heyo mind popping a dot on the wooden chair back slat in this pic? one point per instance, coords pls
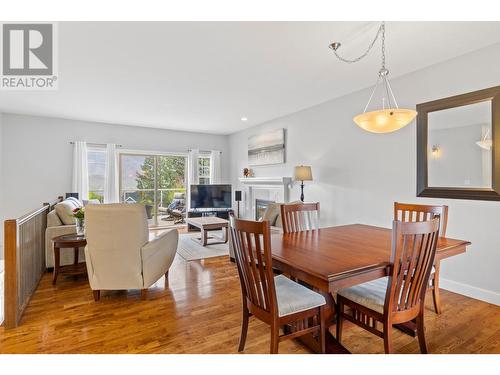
(413, 252)
(299, 217)
(407, 212)
(252, 250)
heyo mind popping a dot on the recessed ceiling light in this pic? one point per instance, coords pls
(244, 119)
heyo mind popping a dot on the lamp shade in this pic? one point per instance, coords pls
(303, 173)
(385, 120)
(485, 144)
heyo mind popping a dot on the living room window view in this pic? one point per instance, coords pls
(284, 187)
(157, 181)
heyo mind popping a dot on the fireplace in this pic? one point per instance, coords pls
(264, 189)
(261, 207)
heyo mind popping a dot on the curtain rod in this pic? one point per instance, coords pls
(204, 151)
(95, 144)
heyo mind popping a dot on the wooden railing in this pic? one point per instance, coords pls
(24, 250)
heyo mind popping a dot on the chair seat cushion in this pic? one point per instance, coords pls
(293, 297)
(370, 294)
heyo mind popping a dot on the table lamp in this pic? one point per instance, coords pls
(303, 173)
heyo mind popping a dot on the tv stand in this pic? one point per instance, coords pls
(222, 213)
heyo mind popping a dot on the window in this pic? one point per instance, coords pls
(96, 158)
(153, 180)
(204, 170)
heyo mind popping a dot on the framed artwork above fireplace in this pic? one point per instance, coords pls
(267, 148)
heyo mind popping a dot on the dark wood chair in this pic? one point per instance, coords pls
(421, 212)
(399, 297)
(299, 217)
(276, 300)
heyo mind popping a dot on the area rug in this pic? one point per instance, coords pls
(192, 250)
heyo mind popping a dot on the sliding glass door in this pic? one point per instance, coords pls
(152, 180)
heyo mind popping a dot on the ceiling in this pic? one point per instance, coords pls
(206, 76)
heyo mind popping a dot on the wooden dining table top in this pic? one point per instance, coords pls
(337, 257)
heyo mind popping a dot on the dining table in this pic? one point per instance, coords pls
(332, 258)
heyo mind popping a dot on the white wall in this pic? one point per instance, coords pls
(38, 155)
(358, 175)
(459, 161)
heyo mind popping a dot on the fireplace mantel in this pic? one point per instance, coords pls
(285, 181)
(276, 189)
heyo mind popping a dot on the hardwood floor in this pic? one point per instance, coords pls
(199, 312)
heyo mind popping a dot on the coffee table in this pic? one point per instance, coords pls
(207, 224)
(68, 241)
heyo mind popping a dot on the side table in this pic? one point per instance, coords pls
(68, 241)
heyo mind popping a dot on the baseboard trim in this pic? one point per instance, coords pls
(470, 291)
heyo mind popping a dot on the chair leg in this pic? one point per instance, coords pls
(275, 332)
(340, 319)
(388, 338)
(421, 333)
(244, 329)
(322, 329)
(144, 293)
(435, 290)
(97, 295)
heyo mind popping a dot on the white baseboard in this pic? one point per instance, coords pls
(470, 291)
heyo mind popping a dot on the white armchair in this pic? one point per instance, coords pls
(118, 253)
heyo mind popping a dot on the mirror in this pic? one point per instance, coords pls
(456, 158)
(455, 146)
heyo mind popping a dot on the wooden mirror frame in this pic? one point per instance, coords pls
(423, 190)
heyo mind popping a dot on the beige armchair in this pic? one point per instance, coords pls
(118, 253)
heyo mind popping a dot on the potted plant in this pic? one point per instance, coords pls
(79, 215)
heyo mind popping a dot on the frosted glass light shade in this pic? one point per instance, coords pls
(385, 120)
(485, 144)
(303, 173)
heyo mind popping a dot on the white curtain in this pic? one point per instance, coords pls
(80, 183)
(192, 172)
(111, 194)
(215, 168)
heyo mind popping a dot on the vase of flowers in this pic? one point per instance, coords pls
(79, 215)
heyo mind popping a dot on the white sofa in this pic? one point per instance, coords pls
(60, 221)
(118, 253)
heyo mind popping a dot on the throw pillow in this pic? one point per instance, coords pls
(271, 213)
(64, 210)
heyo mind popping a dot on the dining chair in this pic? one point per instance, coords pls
(276, 300)
(399, 297)
(299, 217)
(421, 212)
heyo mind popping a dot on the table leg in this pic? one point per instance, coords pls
(410, 328)
(204, 237)
(56, 264)
(75, 259)
(332, 345)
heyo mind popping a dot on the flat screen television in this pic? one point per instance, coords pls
(210, 196)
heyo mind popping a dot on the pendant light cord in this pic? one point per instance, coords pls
(390, 118)
(381, 31)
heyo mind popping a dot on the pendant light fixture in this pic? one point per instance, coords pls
(390, 117)
(485, 143)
